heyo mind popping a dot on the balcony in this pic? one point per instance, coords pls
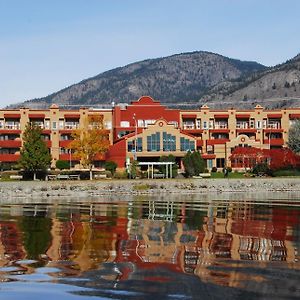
(219, 130)
(217, 141)
(64, 143)
(208, 156)
(10, 144)
(67, 156)
(199, 143)
(246, 130)
(269, 130)
(10, 128)
(9, 157)
(48, 143)
(274, 142)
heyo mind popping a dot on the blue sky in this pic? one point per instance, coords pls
(48, 45)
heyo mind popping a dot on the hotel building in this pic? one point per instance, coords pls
(146, 130)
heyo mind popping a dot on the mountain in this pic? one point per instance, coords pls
(275, 87)
(179, 78)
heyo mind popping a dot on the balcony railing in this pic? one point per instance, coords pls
(274, 126)
(11, 126)
(274, 142)
(220, 126)
(71, 126)
(9, 157)
(242, 125)
(10, 143)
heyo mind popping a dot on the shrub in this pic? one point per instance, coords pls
(214, 169)
(229, 169)
(111, 166)
(121, 174)
(262, 169)
(62, 164)
(5, 175)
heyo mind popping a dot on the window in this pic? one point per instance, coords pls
(108, 125)
(38, 123)
(45, 137)
(139, 145)
(264, 123)
(198, 124)
(65, 137)
(65, 151)
(186, 144)
(210, 149)
(122, 133)
(12, 125)
(188, 125)
(204, 125)
(209, 163)
(220, 162)
(153, 142)
(149, 122)
(169, 142)
(140, 123)
(61, 124)
(125, 124)
(175, 123)
(54, 125)
(47, 124)
(70, 125)
(258, 124)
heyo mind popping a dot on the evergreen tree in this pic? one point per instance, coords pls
(188, 164)
(35, 155)
(193, 164)
(198, 163)
(294, 137)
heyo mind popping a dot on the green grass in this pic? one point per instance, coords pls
(284, 173)
(216, 175)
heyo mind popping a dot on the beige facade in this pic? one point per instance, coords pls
(146, 129)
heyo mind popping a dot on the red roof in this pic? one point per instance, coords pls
(221, 116)
(36, 116)
(12, 116)
(72, 116)
(274, 116)
(294, 116)
(186, 116)
(242, 116)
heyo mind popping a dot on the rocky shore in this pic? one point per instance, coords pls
(84, 189)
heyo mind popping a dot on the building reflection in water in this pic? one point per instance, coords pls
(188, 237)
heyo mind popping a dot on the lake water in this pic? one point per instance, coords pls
(149, 248)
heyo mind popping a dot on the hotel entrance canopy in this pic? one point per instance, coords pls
(150, 166)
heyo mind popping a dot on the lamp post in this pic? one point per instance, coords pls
(135, 140)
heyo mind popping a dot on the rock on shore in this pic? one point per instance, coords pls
(81, 189)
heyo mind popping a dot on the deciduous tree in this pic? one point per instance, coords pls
(294, 137)
(90, 141)
(35, 155)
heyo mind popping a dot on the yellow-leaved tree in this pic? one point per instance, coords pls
(90, 141)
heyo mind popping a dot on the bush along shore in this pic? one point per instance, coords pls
(81, 189)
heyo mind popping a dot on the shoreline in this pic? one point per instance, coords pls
(83, 189)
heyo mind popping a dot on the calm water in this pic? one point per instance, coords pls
(142, 248)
